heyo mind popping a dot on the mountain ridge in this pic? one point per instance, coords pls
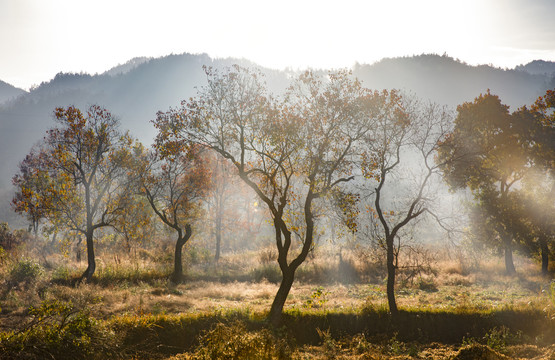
(9, 92)
(449, 81)
(538, 67)
(139, 88)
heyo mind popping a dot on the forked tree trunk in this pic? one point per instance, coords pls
(545, 255)
(288, 270)
(177, 276)
(279, 301)
(287, 277)
(391, 278)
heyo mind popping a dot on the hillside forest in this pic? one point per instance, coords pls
(309, 217)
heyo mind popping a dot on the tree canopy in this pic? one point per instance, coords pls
(497, 154)
(296, 150)
(76, 178)
(174, 187)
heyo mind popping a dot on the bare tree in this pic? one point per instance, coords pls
(174, 187)
(298, 149)
(403, 143)
(81, 172)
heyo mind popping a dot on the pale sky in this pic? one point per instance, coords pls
(39, 38)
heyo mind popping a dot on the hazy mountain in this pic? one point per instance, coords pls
(8, 92)
(538, 67)
(134, 94)
(445, 80)
(136, 90)
(127, 67)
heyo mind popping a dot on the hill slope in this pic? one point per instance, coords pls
(447, 81)
(8, 92)
(538, 67)
(135, 91)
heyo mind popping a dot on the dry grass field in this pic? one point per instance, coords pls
(337, 309)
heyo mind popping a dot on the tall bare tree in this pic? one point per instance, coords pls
(403, 144)
(299, 149)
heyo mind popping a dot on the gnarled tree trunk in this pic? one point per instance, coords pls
(288, 270)
(279, 301)
(177, 275)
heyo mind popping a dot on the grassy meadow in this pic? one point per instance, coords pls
(455, 307)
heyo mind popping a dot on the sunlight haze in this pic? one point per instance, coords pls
(41, 38)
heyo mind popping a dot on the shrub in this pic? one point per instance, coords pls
(395, 346)
(267, 256)
(269, 272)
(25, 271)
(372, 263)
(3, 255)
(236, 342)
(347, 271)
(61, 274)
(8, 240)
(57, 330)
(198, 255)
(360, 344)
(417, 262)
(317, 299)
(499, 338)
(330, 346)
(427, 284)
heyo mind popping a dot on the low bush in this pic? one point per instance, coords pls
(58, 330)
(267, 256)
(110, 275)
(236, 342)
(25, 272)
(8, 239)
(268, 272)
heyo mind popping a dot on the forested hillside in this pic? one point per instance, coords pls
(137, 90)
(8, 92)
(445, 80)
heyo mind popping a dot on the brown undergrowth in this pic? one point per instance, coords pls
(456, 308)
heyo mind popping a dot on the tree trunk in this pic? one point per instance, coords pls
(89, 237)
(177, 276)
(88, 274)
(78, 249)
(36, 227)
(279, 301)
(288, 271)
(545, 255)
(391, 278)
(218, 237)
(509, 264)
